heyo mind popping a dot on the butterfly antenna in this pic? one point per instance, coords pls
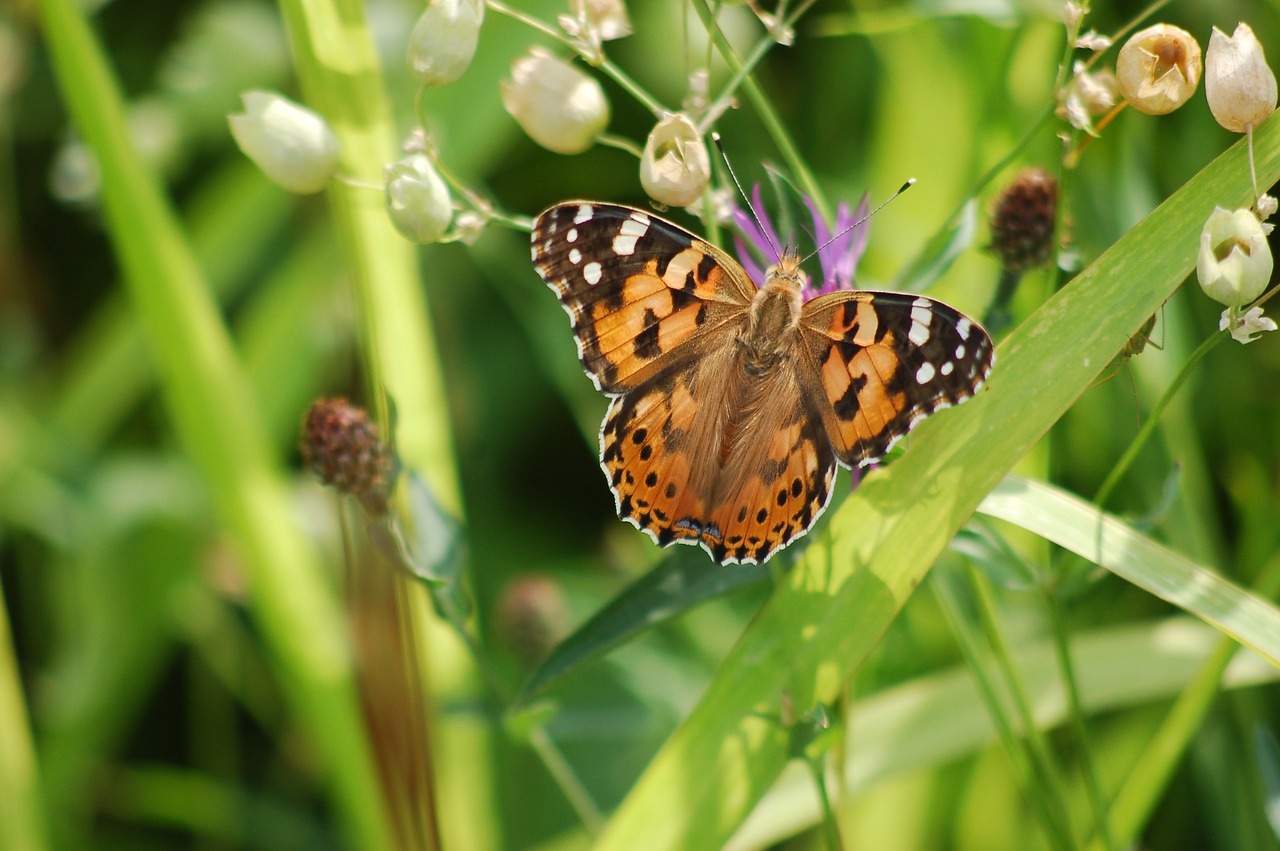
(715, 137)
(903, 188)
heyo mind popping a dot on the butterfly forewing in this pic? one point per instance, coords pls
(884, 361)
(638, 290)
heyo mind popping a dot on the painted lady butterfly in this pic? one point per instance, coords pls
(732, 403)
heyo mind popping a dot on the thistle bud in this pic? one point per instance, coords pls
(443, 41)
(1023, 220)
(1158, 69)
(291, 144)
(560, 107)
(1238, 83)
(674, 168)
(340, 444)
(417, 199)
(1234, 263)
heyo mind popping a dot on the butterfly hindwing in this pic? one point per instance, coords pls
(709, 455)
(639, 290)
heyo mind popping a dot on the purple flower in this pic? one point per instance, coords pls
(759, 243)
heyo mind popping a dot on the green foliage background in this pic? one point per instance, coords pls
(175, 672)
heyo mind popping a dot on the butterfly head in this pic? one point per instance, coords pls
(787, 272)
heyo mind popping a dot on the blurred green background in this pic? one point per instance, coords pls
(157, 716)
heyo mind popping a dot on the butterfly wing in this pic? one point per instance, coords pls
(883, 362)
(639, 290)
(713, 456)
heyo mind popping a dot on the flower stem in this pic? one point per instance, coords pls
(1149, 427)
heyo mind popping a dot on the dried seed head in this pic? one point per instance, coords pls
(560, 107)
(1238, 83)
(1023, 220)
(674, 168)
(1158, 69)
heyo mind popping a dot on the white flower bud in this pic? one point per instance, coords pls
(417, 199)
(291, 144)
(560, 107)
(1234, 263)
(1158, 69)
(674, 168)
(606, 19)
(1238, 84)
(444, 40)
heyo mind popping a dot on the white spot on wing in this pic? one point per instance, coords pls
(572, 235)
(591, 273)
(925, 373)
(623, 244)
(947, 368)
(584, 214)
(963, 326)
(634, 226)
(959, 352)
(921, 316)
(575, 256)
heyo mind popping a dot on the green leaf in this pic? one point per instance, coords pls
(825, 619)
(681, 581)
(1070, 522)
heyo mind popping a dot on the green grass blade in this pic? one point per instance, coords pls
(1074, 524)
(939, 718)
(836, 603)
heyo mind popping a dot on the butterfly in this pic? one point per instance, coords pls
(733, 403)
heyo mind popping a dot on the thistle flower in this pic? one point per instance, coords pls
(1158, 69)
(674, 168)
(560, 107)
(417, 199)
(1238, 83)
(443, 42)
(838, 257)
(290, 143)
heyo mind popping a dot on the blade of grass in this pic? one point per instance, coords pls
(1076, 525)
(830, 612)
(939, 718)
(211, 405)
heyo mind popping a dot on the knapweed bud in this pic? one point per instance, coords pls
(1023, 219)
(417, 199)
(1234, 263)
(675, 168)
(1158, 69)
(532, 616)
(291, 144)
(1238, 83)
(560, 107)
(340, 444)
(444, 40)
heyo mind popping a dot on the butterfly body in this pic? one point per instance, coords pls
(733, 404)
